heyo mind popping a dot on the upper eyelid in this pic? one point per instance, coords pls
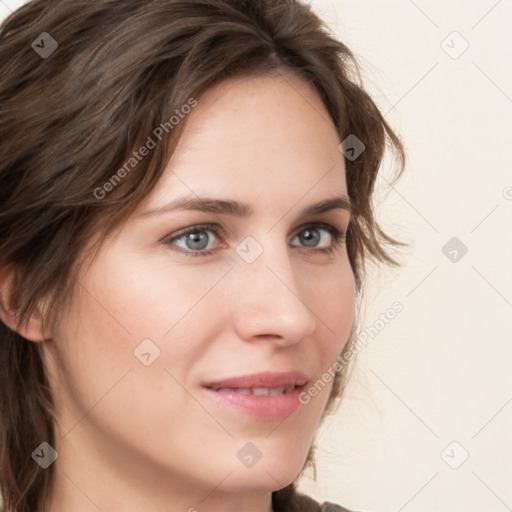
(328, 217)
(218, 227)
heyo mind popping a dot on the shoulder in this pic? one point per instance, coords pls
(332, 507)
(290, 499)
(306, 503)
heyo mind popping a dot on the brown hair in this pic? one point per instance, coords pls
(70, 119)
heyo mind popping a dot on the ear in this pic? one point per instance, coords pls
(33, 329)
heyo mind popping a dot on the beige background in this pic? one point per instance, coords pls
(439, 372)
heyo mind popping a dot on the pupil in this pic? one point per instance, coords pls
(195, 238)
(310, 237)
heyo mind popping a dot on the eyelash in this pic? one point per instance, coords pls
(338, 236)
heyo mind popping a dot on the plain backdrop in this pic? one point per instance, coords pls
(425, 424)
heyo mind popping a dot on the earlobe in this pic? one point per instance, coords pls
(32, 329)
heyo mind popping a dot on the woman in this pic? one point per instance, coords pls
(185, 214)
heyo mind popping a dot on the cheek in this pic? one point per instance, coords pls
(154, 298)
(100, 381)
(121, 304)
(333, 300)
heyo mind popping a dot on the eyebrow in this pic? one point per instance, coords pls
(242, 210)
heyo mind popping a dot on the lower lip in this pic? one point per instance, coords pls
(264, 407)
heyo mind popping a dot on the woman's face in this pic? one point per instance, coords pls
(154, 319)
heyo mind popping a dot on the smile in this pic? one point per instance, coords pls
(269, 404)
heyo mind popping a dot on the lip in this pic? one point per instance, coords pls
(260, 380)
(264, 407)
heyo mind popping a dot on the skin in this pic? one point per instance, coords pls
(134, 437)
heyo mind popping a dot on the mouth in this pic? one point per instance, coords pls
(268, 404)
(275, 382)
(281, 390)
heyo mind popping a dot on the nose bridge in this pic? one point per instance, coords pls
(269, 300)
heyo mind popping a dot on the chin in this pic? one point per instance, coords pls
(270, 473)
(261, 481)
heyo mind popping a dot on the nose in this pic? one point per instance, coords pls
(269, 303)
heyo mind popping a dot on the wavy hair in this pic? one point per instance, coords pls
(69, 120)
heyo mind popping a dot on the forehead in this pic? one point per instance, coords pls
(253, 136)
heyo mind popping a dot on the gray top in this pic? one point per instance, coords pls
(332, 507)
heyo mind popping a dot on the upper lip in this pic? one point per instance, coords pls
(260, 380)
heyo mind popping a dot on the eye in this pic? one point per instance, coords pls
(313, 239)
(194, 240)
